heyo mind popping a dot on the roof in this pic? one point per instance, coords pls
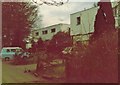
(12, 48)
(113, 5)
(50, 26)
(55, 25)
(84, 10)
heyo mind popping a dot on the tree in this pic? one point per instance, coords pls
(59, 41)
(17, 19)
(50, 2)
(99, 61)
(37, 46)
(104, 21)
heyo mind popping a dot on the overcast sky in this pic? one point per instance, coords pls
(53, 15)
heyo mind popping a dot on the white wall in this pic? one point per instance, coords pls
(49, 35)
(87, 21)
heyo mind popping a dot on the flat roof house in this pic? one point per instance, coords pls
(82, 22)
(116, 11)
(48, 32)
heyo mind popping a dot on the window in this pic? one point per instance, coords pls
(8, 50)
(78, 20)
(52, 30)
(44, 32)
(37, 33)
(13, 50)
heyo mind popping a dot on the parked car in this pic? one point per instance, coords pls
(8, 53)
(25, 55)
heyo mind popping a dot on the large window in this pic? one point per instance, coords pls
(53, 30)
(44, 32)
(78, 20)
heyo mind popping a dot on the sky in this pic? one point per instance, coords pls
(61, 14)
(53, 15)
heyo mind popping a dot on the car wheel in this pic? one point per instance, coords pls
(7, 58)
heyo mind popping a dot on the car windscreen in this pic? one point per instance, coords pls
(13, 50)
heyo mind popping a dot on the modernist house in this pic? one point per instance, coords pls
(48, 32)
(116, 11)
(82, 22)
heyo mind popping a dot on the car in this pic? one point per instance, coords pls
(8, 53)
(25, 55)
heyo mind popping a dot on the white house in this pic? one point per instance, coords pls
(48, 32)
(82, 22)
(116, 11)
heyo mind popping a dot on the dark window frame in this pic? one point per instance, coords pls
(37, 33)
(53, 30)
(45, 32)
(78, 20)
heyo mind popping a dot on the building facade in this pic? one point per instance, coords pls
(82, 22)
(116, 11)
(48, 32)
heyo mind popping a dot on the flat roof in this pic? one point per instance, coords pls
(113, 5)
(11, 47)
(84, 10)
(50, 26)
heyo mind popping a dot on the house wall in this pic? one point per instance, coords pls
(116, 11)
(49, 35)
(119, 14)
(65, 28)
(86, 23)
(81, 32)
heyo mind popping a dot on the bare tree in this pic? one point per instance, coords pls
(16, 22)
(50, 2)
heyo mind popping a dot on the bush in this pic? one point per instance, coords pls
(59, 41)
(97, 63)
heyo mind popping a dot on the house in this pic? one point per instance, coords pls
(48, 32)
(116, 11)
(82, 23)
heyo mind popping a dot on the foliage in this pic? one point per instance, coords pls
(96, 63)
(17, 19)
(37, 46)
(59, 42)
(50, 2)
